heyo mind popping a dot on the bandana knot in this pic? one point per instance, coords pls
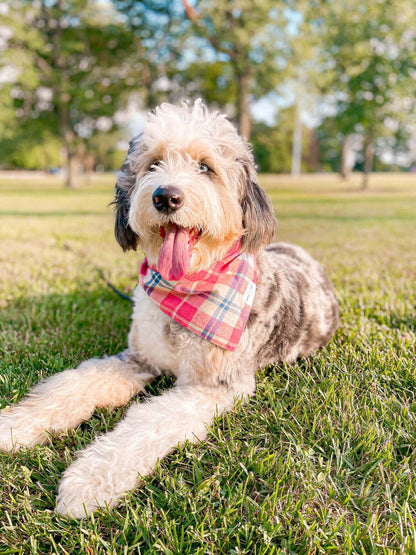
(214, 303)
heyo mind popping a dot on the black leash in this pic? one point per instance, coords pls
(111, 286)
(68, 247)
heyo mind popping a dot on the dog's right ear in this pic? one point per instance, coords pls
(126, 181)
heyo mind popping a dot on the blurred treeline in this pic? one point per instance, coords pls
(316, 85)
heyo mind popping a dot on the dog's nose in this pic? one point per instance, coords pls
(167, 199)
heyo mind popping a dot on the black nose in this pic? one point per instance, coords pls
(167, 199)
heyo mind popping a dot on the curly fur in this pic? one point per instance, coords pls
(294, 312)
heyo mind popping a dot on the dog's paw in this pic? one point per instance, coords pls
(78, 498)
(88, 484)
(81, 492)
(18, 430)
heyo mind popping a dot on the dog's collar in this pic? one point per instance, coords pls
(214, 303)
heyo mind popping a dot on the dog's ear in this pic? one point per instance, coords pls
(125, 236)
(258, 215)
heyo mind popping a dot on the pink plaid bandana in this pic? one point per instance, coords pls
(215, 303)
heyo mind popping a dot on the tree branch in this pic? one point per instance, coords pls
(190, 10)
(193, 16)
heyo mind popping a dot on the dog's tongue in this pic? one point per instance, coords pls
(174, 259)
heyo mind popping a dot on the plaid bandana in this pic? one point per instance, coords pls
(215, 303)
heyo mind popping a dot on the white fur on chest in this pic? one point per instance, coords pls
(150, 336)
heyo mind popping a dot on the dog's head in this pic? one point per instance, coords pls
(188, 191)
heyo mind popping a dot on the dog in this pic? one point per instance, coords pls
(215, 302)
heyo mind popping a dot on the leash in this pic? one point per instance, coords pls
(101, 275)
(112, 287)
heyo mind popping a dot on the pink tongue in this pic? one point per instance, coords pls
(174, 260)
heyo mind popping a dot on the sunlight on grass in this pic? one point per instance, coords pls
(320, 461)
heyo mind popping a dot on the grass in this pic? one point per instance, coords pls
(321, 460)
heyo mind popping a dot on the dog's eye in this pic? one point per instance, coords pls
(154, 165)
(203, 168)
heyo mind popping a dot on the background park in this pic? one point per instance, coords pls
(322, 460)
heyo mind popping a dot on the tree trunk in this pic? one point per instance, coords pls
(242, 67)
(368, 162)
(243, 112)
(345, 155)
(68, 136)
(297, 143)
(312, 156)
(63, 98)
(71, 171)
(88, 163)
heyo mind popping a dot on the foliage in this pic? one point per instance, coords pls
(249, 39)
(155, 25)
(67, 67)
(272, 145)
(31, 146)
(70, 71)
(106, 152)
(31, 154)
(369, 51)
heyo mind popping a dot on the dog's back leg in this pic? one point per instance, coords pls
(112, 464)
(64, 400)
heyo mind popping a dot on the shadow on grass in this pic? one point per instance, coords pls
(45, 334)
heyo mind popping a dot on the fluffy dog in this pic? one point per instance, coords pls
(188, 197)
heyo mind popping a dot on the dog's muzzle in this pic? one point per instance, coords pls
(167, 199)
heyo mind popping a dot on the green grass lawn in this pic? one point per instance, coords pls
(321, 460)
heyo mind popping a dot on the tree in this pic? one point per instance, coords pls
(370, 52)
(151, 24)
(69, 71)
(250, 39)
(272, 145)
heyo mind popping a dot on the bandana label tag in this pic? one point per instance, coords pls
(249, 294)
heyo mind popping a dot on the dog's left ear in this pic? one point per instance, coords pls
(125, 236)
(258, 215)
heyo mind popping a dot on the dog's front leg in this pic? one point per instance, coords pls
(64, 400)
(112, 464)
